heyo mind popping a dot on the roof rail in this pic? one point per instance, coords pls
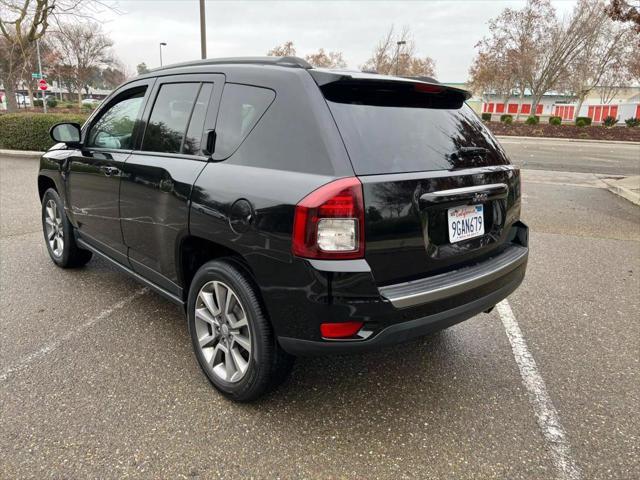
(292, 62)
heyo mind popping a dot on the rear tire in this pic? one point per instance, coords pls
(58, 233)
(232, 338)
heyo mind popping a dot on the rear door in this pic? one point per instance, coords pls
(439, 192)
(159, 175)
(94, 171)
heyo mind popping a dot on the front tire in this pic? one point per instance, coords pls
(58, 233)
(233, 341)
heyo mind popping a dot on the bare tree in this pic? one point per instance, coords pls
(395, 54)
(613, 80)
(623, 11)
(559, 47)
(84, 49)
(492, 70)
(606, 49)
(285, 50)
(21, 25)
(324, 59)
(633, 65)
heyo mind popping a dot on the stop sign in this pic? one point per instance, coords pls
(42, 84)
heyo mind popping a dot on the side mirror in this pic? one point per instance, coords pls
(68, 133)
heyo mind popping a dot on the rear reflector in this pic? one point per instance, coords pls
(340, 330)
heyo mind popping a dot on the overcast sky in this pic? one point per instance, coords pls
(444, 30)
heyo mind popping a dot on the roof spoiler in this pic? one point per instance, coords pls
(386, 90)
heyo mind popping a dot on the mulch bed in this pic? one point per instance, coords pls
(594, 132)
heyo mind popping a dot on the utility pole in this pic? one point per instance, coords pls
(44, 101)
(162, 44)
(401, 42)
(203, 31)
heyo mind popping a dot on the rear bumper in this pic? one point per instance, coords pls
(346, 291)
(401, 332)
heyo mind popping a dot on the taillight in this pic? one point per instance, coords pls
(329, 222)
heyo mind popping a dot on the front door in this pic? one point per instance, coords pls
(93, 173)
(158, 177)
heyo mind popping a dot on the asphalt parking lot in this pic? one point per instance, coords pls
(97, 377)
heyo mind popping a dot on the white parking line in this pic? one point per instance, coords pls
(25, 362)
(546, 414)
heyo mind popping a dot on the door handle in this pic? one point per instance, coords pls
(110, 171)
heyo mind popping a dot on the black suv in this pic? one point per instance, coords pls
(290, 210)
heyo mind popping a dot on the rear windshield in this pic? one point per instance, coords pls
(387, 130)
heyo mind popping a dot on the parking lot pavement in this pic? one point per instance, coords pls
(97, 378)
(574, 156)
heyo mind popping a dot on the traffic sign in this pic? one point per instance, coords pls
(42, 84)
(38, 75)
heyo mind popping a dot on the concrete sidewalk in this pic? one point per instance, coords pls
(20, 153)
(628, 187)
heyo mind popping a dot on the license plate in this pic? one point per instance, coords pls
(465, 222)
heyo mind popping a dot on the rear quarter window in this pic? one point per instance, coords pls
(241, 107)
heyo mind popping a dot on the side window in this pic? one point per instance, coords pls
(169, 117)
(196, 124)
(114, 128)
(240, 109)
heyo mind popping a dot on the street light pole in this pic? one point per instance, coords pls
(162, 44)
(44, 101)
(203, 32)
(401, 42)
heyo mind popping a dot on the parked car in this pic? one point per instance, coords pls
(91, 101)
(23, 100)
(289, 210)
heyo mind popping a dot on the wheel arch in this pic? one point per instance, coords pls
(45, 183)
(194, 251)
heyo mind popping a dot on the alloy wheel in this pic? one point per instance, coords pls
(54, 228)
(222, 330)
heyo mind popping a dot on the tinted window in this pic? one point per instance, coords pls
(114, 128)
(240, 109)
(395, 132)
(196, 124)
(169, 117)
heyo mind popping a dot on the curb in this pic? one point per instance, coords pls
(21, 153)
(576, 140)
(631, 194)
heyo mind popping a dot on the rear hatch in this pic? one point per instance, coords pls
(439, 191)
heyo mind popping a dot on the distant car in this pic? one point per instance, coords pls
(91, 101)
(22, 100)
(289, 210)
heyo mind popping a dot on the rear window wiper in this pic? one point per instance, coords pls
(471, 151)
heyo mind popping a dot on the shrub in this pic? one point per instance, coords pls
(52, 103)
(532, 120)
(486, 117)
(555, 120)
(508, 119)
(585, 120)
(30, 131)
(37, 102)
(632, 122)
(610, 121)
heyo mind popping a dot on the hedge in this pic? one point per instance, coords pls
(586, 121)
(30, 131)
